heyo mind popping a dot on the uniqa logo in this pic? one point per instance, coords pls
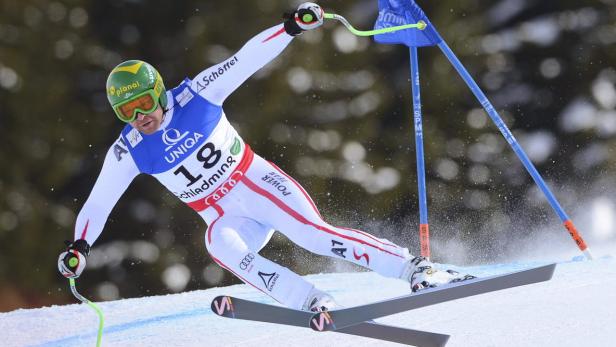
(172, 136)
(178, 144)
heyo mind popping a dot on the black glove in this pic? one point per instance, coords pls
(308, 16)
(72, 261)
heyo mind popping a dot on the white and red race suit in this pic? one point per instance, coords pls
(243, 198)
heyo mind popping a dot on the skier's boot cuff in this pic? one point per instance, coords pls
(319, 301)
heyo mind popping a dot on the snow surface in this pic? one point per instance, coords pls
(576, 308)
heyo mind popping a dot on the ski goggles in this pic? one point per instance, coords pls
(144, 103)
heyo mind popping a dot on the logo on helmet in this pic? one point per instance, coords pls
(123, 89)
(151, 74)
(158, 86)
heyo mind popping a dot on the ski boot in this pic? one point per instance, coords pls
(319, 301)
(422, 274)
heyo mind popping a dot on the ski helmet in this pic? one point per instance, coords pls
(132, 78)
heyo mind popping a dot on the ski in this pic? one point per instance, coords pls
(343, 318)
(231, 307)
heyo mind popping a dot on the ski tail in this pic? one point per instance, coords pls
(236, 308)
(223, 306)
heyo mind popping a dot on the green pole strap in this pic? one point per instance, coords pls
(99, 312)
(421, 25)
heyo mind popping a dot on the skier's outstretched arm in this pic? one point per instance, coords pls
(216, 83)
(117, 173)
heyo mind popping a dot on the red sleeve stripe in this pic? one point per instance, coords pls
(276, 34)
(85, 230)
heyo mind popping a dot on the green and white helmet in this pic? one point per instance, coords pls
(131, 79)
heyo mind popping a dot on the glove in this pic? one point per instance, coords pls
(308, 16)
(72, 261)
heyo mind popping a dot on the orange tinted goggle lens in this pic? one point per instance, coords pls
(144, 103)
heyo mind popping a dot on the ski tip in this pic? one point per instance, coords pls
(322, 321)
(549, 270)
(223, 306)
(435, 340)
(445, 340)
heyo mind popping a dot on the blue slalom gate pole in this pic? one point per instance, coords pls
(424, 230)
(395, 15)
(487, 105)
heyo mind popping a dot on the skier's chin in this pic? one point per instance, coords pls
(149, 124)
(149, 128)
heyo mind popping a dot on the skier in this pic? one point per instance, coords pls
(183, 138)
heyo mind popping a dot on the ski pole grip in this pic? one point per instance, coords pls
(73, 262)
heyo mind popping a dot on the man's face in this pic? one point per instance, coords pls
(148, 123)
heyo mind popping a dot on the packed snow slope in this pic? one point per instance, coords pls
(576, 308)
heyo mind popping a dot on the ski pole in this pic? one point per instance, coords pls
(99, 312)
(421, 25)
(424, 233)
(424, 230)
(513, 143)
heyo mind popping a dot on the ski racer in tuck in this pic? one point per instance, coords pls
(182, 137)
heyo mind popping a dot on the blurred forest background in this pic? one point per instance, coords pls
(333, 110)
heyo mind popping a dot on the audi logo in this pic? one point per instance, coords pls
(246, 261)
(224, 189)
